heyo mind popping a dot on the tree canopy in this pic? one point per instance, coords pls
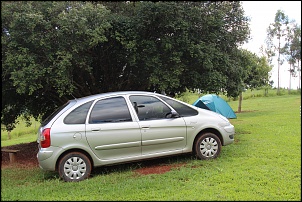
(53, 51)
(284, 38)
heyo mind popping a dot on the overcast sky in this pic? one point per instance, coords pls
(262, 14)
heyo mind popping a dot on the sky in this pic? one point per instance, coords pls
(262, 14)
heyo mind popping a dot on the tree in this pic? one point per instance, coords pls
(296, 50)
(277, 30)
(45, 53)
(292, 49)
(254, 72)
(184, 45)
(54, 51)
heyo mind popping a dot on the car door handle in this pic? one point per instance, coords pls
(145, 127)
(95, 129)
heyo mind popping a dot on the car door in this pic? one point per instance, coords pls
(160, 134)
(110, 131)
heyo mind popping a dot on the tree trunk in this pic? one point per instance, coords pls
(8, 134)
(290, 78)
(266, 91)
(240, 101)
(278, 90)
(299, 70)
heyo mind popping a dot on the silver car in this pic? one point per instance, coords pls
(117, 127)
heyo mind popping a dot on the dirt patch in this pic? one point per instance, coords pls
(245, 111)
(27, 158)
(158, 169)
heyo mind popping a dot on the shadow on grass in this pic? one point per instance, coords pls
(131, 166)
(124, 167)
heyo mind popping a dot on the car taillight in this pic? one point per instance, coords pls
(45, 138)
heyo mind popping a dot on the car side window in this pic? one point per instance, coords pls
(181, 109)
(110, 110)
(149, 107)
(78, 115)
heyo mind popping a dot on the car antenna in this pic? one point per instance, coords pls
(73, 96)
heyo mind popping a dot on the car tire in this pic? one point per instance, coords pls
(207, 146)
(74, 167)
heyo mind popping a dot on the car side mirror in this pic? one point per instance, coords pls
(172, 114)
(137, 106)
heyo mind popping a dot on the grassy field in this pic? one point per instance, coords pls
(20, 134)
(264, 163)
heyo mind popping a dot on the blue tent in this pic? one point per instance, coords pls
(215, 104)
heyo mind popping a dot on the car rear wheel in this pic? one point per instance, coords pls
(74, 167)
(207, 146)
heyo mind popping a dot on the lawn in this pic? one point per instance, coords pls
(264, 163)
(20, 134)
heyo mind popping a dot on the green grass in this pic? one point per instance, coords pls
(20, 134)
(190, 97)
(264, 163)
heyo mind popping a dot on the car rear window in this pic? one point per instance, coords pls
(62, 108)
(78, 115)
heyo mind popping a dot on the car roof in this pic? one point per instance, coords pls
(108, 94)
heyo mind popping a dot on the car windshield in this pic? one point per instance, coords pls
(181, 109)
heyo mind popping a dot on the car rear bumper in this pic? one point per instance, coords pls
(47, 158)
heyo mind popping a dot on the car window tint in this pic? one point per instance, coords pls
(148, 107)
(110, 110)
(64, 107)
(78, 115)
(180, 108)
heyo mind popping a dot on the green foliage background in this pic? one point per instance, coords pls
(53, 51)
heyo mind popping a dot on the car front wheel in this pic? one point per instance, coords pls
(74, 167)
(207, 146)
